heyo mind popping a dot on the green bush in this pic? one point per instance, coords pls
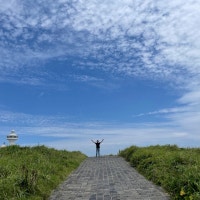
(127, 153)
(177, 170)
(32, 173)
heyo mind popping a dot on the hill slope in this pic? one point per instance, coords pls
(176, 169)
(33, 172)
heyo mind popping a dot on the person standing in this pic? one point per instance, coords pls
(97, 146)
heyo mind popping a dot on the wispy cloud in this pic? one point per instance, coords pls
(86, 78)
(15, 118)
(64, 133)
(166, 111)
(186, 116)
(191, 98)
(154, 39)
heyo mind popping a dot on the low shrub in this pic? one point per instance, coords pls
(177, 170)
(33, 172)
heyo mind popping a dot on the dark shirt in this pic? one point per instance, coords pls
(97, 144)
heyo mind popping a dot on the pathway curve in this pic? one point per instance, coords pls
(107, 178)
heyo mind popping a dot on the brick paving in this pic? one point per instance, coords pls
(107, 178)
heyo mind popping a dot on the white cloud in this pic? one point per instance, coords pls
(166, 111)
(12, 5)
(15, 118)
(86, 78)
(186, 116)
(59, 132)
(191, 98)
(154, 37)
(115, 137)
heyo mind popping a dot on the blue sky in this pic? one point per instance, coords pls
(126, 71)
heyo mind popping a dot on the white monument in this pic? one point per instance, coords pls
(12, 138)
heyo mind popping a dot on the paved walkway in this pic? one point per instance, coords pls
(107, 178)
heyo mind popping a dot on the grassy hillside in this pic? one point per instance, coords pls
(32, 173)
(177, 170)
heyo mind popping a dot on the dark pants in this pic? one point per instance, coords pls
(97, 152)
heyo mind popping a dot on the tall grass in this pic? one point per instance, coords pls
(177, 170)
(33, 172)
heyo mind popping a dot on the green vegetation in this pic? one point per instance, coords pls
(33, 172)
(175, 169)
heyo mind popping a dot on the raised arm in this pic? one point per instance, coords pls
(102, 140)
(92, 141)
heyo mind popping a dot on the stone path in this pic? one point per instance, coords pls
(107, 178)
